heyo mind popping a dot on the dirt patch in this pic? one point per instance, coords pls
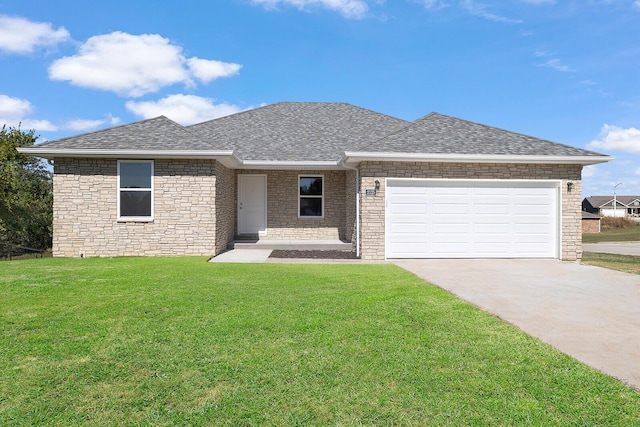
(312, 254)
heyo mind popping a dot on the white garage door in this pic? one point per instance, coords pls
(463, 219)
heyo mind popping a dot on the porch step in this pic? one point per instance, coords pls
(334, 245)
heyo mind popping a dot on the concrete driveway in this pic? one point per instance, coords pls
(622, 248)
(590, 313)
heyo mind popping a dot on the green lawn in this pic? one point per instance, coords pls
(631, 234)
(178, 341)
(626, 263)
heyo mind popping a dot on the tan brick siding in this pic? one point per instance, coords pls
(225, 212)
(590, 226)
(373, 207)
(282, 206)
(85, 210)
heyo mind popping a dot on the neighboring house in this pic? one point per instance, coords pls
(590, 223)
(604, 205)
(438, 187)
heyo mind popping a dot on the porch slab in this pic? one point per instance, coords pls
(325, 245)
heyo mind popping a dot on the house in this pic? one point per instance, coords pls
(590, 223)
(438, 187)
(604, 205)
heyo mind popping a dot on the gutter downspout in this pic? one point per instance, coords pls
(342, 163)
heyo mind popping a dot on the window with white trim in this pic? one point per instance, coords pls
(135, 190)
(310, 196)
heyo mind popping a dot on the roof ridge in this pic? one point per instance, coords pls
(109, 129)
(397, 130)
(512, 132)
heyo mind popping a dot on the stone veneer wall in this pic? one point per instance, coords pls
(350, 207)
(372, 209)
(282, 205)
(225, 207)
(85, 210)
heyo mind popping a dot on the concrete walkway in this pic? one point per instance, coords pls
(590, 313)
(621, 248)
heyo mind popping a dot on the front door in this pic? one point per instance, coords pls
(252, 204)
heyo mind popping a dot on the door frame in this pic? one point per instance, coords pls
(239, 201)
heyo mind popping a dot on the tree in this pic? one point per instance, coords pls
(26, 193)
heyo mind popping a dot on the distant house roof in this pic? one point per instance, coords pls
(297, 134)
(590, 216)
(600, 202)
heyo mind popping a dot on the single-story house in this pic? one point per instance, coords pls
(438, 187)
(604, 205)
(590, 223)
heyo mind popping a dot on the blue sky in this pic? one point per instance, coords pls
(567, 71)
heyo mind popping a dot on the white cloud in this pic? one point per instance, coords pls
(636, 4)
(21, 36)
(15, 111)
(556, 65)
(589, 171)
(354, 9)
(617, 139)
(134, 65)
(206, 70)
(480, 10)
(637, 172)
(433, 4)
(184, 109)
(539, 2)
(87, 124)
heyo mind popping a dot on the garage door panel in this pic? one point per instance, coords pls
(409, 208)
(409, 227)
(440, 219)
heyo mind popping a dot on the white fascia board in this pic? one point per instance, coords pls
(226, 157)
(296, 165)
(354, 157)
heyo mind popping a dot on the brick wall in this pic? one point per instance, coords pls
(85, 210)
(282, 206)
(373, 207)
(591, 225)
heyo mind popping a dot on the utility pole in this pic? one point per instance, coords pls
(615, 201)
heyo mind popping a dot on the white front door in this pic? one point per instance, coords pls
(252, 204)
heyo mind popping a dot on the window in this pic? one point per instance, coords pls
(135, 190)
(310, 197)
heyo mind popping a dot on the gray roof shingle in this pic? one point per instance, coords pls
(607, 201)
(314, 131)
(159, 133)
(297, 131)
(439, 134)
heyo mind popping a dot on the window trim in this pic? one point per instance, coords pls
(135, 218)
(321, 197)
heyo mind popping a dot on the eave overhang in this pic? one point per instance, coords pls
(226, 157)
(355, 157)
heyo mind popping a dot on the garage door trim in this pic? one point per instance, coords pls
(496, 183)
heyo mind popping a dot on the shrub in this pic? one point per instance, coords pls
(610, 223)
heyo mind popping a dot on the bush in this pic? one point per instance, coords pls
(610, 223)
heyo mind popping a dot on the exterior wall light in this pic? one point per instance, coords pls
(569, 186)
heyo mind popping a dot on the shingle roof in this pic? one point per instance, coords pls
(607, 201)
(159, 133)
(309, 132)
(439, 134)
(588, 215)
(297, 131)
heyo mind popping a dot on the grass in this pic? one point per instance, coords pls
(612, 234)
(626, 263)
(178, 341)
